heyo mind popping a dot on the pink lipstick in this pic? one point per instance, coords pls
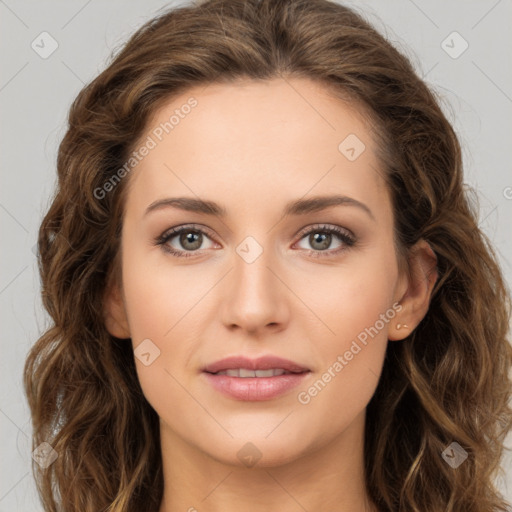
(258, 379)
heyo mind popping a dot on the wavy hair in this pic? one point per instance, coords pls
(446, 382)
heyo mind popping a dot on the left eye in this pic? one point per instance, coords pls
(320, 238)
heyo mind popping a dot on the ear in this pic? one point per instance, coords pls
(419, 283)
(114, 312)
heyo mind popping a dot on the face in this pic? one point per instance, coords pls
(316, 284)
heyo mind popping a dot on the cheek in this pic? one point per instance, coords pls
(165, 306)
(350, 297)
(158, 308)
(157, 295)
(355, 306)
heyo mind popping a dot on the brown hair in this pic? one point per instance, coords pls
(448, 381)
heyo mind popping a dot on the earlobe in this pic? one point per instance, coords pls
(114, 313)
(420, 284)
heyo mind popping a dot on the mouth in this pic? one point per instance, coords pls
(245, 373)
(245, 379)
(244, 364)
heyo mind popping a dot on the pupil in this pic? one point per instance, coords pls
(189, 238)
(323, 239)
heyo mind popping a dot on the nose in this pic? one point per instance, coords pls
(256, 299)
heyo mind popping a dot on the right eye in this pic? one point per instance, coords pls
(189, 237)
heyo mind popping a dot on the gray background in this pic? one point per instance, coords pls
(35, 95)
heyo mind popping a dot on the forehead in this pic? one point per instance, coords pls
(274, 140)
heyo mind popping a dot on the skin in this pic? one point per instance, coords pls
(252, 147)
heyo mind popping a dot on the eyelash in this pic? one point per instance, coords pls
(344, 237)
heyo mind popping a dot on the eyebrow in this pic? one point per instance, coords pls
(297, 207)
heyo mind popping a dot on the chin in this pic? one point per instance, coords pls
(258, 451)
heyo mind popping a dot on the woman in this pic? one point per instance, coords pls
(268, 288)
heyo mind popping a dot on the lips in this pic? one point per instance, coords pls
(260, 364)
(245, 379)
(245, 373)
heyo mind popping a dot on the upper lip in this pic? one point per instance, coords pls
(261, 363)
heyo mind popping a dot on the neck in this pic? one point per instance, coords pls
(328, 477)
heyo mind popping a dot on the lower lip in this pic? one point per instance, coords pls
(255, 388)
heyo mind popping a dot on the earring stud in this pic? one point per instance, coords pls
(399, 326)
